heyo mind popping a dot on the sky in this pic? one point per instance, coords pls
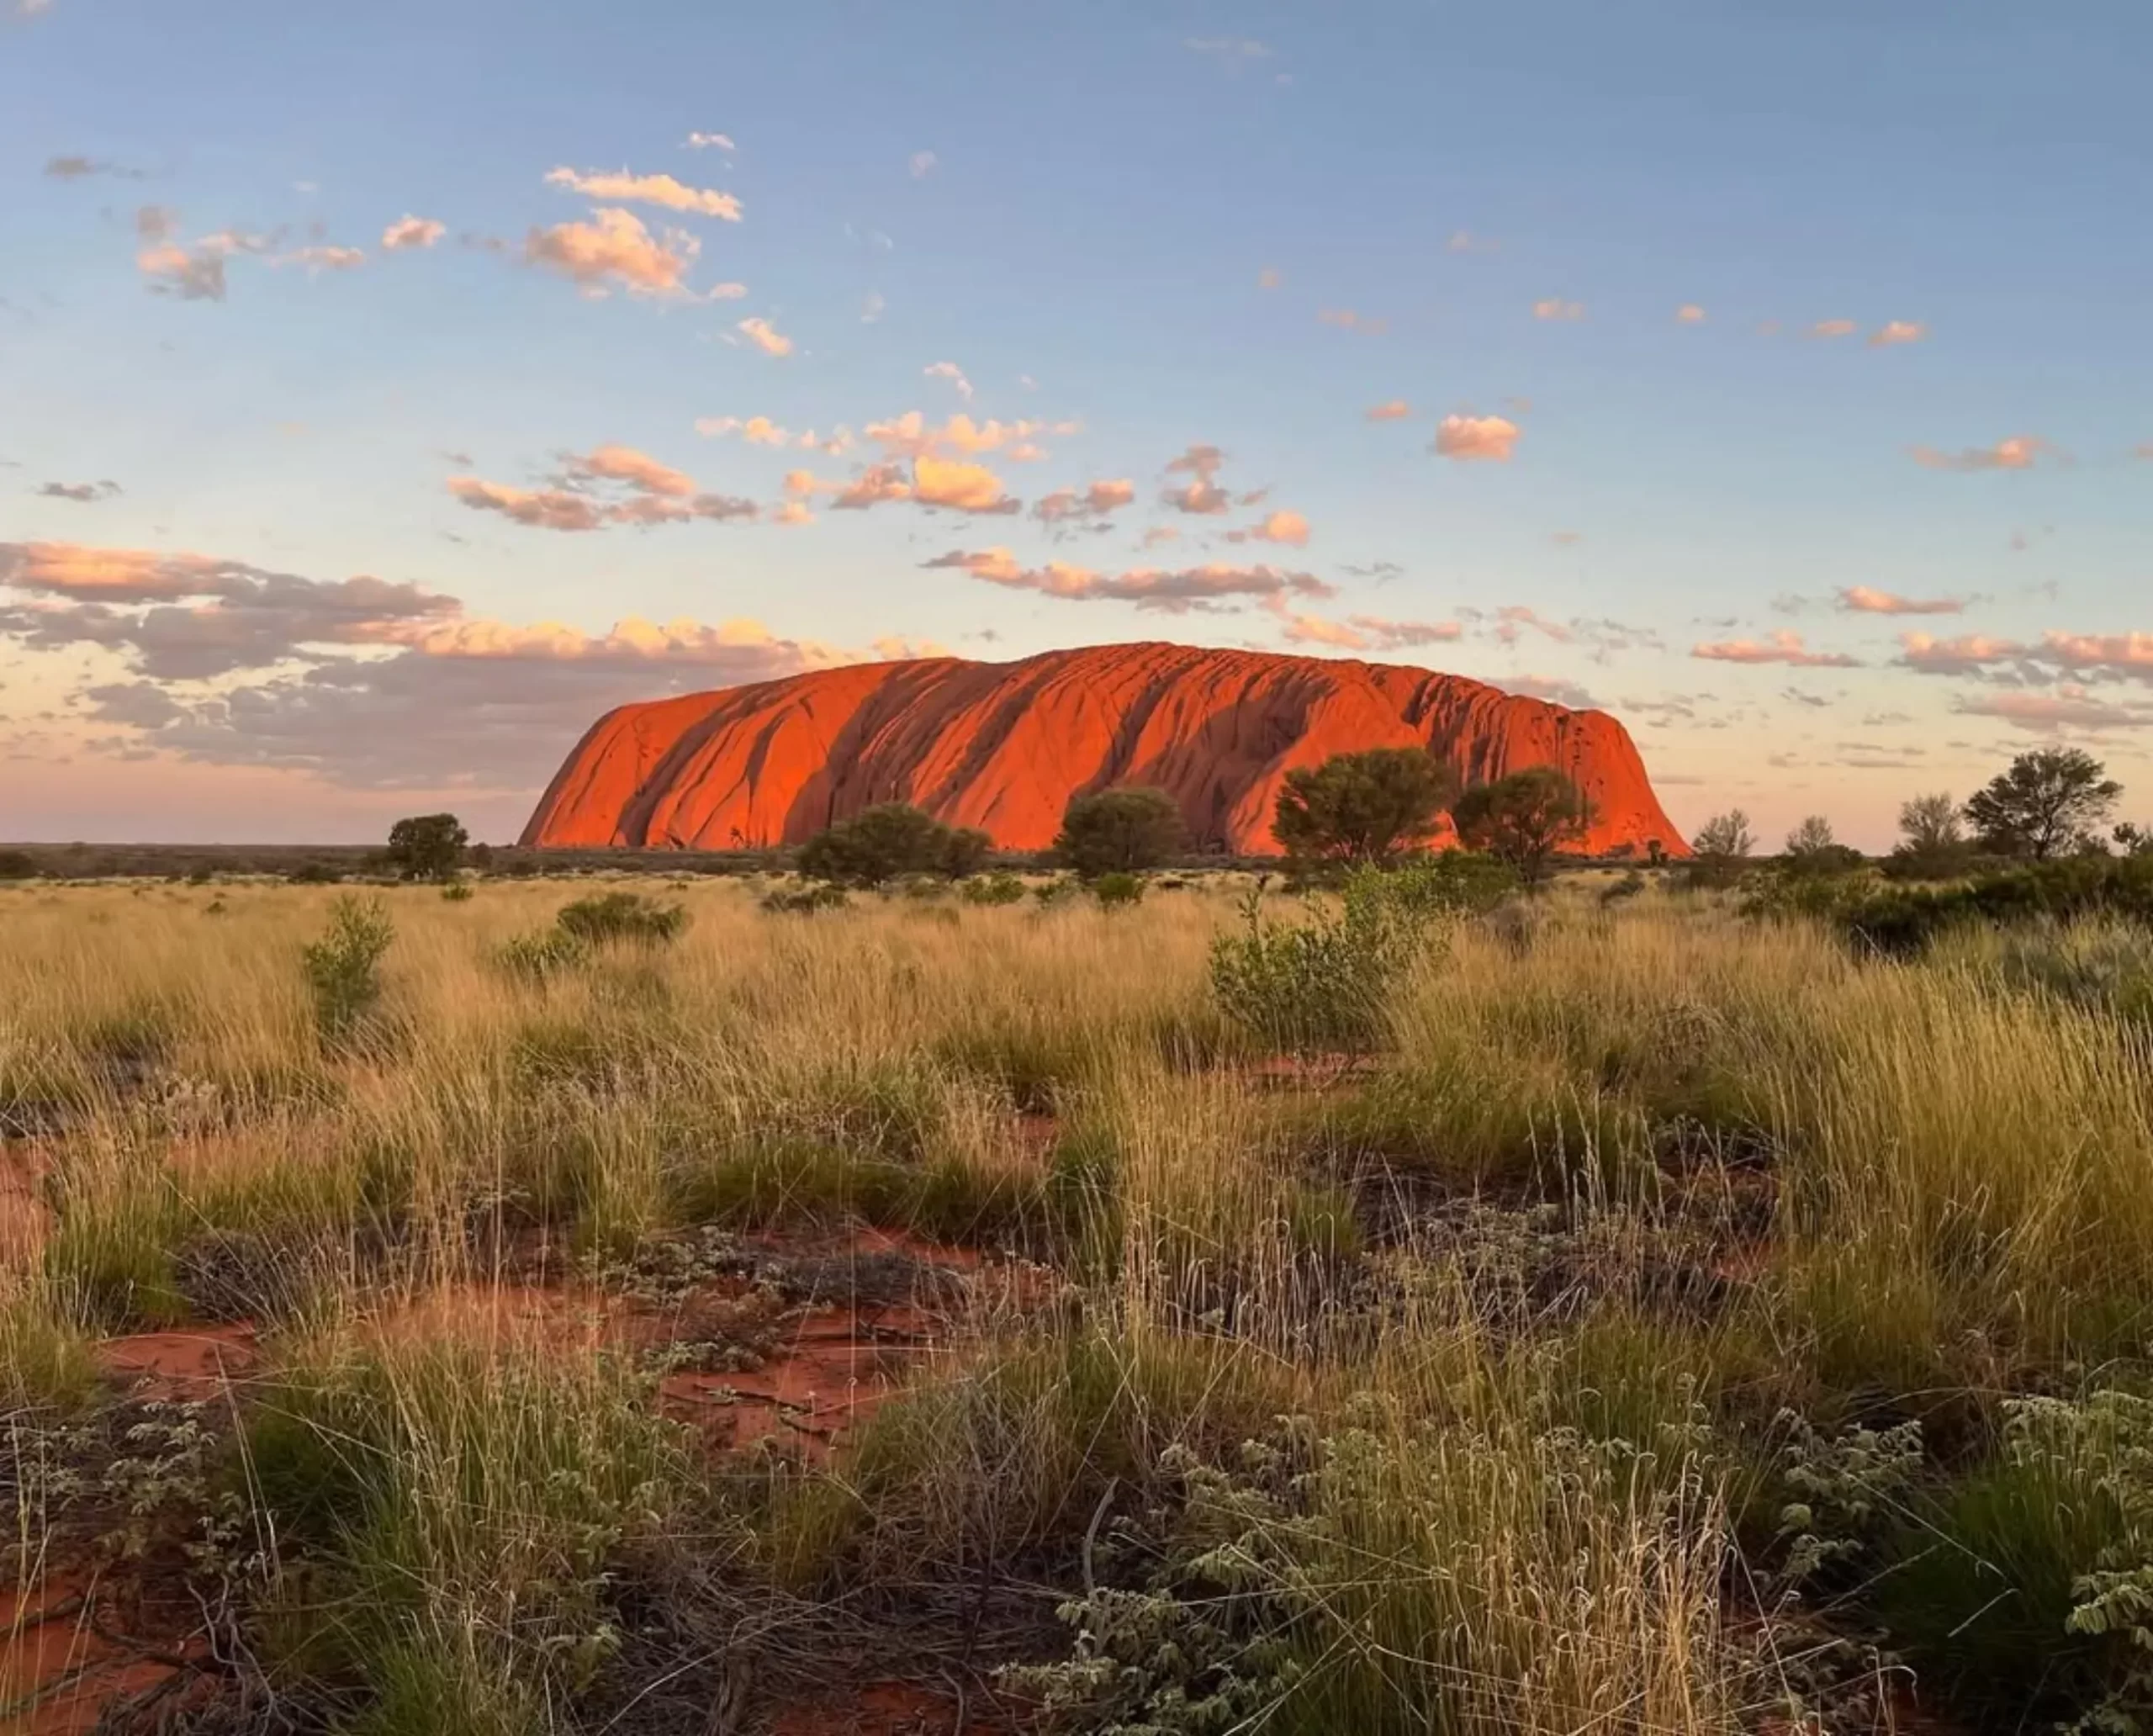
(387, 391)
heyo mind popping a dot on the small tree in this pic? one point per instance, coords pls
(1358, 809)
(1524, 819)
(886, 843)
(1718, 849)
(1120, 832)
(427, 846)
(1932, 839)
(1811, 837)
(2134, 839)
(2049, 802)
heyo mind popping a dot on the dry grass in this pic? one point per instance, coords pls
(1445, 1395)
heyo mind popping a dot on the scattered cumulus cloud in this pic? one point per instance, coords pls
(1469, 439)
(1897, 331)
(81, 491)
(1270, 277)
(1281, 526)
(1347, 320)
(622, 188)
(612, 249)
(1201, 494)
(950, 372)
(1395, 411)
(1365, 632)
(1690, 314)
(964, 487)
(1093, 504)
(1149, 588)
(708, 142)
(765, 337)
(922, 163)
(1555, 308)
(1783, 646)
(322, 258)
(1861, 599)
(1832, 328)
(2046, 713)
(409, 233)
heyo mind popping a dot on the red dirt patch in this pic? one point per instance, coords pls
(189, 1364)
(61, 1669)
(894, 1709)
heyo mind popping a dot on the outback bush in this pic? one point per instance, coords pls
(610, 918)
(542, 953)
(1119, 832)
(889, 841)
(1117, 890)
(1900, 920)
(1322, 984)
(1360, 808)
(1719, 850)
(343, 967)
(805, 900)
(2050, 801)
(17, 865)
(993, 889)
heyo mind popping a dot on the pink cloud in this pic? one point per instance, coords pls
(1469, 439)
(1095, 501)
(2017, 453)
(1832, 328)
(1347, 320)
(1897, 331)
(1366, 632)
(1147, 587)
(1690, 314)
(1396, 410)
(409, 232)
(541, 509)
(1555, 308)
(1862, 600)
(2047, 712)
(1783, 647)
(1289, 528)
(622, 188)
(614, 247)
(966, 488)
(765, 337)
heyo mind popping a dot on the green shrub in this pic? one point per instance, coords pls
(343, 967)
(17, 865)
(316, 874)
(804, 900)
(1117, 891)
(610, 917)
(1900, 920)
(425, 847)
(542, 953)
(991, 889)
(1322, 984)
(457, 893)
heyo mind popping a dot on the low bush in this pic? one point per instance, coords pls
(994, 889)
(614, 917)
(343, 967)
(542, 953)
(1901, 920)
(1117, 891)
(804, 900)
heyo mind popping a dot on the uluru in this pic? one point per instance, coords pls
(1004, 747)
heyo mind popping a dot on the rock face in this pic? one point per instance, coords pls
(1003, 746)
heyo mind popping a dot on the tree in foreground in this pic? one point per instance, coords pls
(1361, 809)
(885, 843)
(2049, 802)
(1719, 848)
(427, 846)
(1120, 832)
(1524, 819)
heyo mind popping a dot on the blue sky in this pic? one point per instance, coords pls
(1911, 239)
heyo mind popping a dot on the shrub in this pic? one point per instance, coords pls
(457, 893)
(425, 847)
(1120, 831)
(316, 874)
(1116, 892)
(542, 953)
(1719, 850)
(17, 865)
(343, 967)
(887, 842)
(609, 917)
(804, 900)
(1359, 808)
(1322, 984)
(1901, 920)
(1524, 819)
(993, 889)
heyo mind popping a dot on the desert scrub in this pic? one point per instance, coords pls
(452, 1513)
(1260, 1606)
(343, 967)
(615, 918)
(1323, 984)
